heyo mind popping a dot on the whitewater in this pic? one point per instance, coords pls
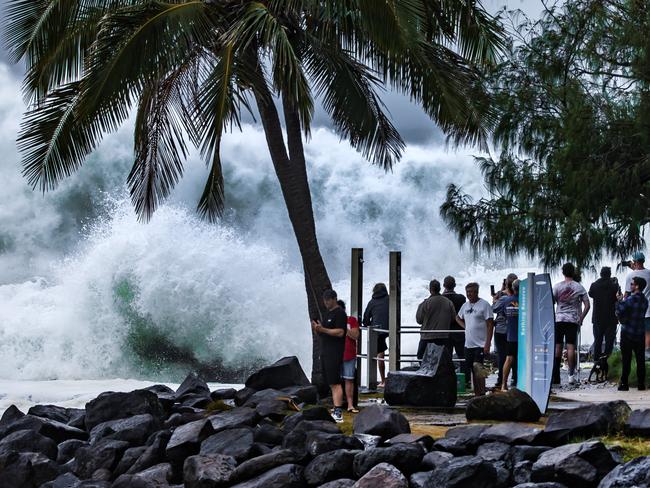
(91, 299)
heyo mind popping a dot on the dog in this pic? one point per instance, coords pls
(600, 369)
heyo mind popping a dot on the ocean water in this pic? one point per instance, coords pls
(88, 294)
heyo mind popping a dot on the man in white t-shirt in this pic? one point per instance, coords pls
(476, 317)
(638, 269)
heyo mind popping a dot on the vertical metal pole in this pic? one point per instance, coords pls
(394, 311)
(530, 354)
(356, 305)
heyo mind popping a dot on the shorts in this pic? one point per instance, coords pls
(349, 369)
(332, 366)
(381, 341)
(511, 348)
(647, 324)
(473, 355)
(568, 331)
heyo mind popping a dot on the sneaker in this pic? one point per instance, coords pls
(572, 380)
(337, 415)
(623, 387)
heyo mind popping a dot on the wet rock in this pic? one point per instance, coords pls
(234, 442)
(382, 421)
(155, 477)
(102, 474)
(342, 483)
(522, 471)
(281, 374)
(583, 464)
(52, 412)
(154, 452)
(464, 472)
(635, 473)
(209, 471)
(9, 416)
(67, 449)
(425, 440)
(406, 457)
(638, 423)
(317, 443)
(238, 417)
(114, 406)
(384, 475)
(494, 451)
(129, 458)
(268, 434)
(27, 441)
(526, 453)
(272, 409)
(193, 384)
(461, 440)
(433, 459)
(511, 433)
(296, 438)
(135, 430)
(261, 464)
(432, 385)
(176, 419)
(270, 394)
(57, 431)
(587, 421)
(368, 440)
(67, 480)
(285, 476)
(541, 485)
(28, 469)
(503, 475)
(315, 413)
(419, 479)
(330, 466)
(186, 440)
(302, 394)
(243, 395)
(513, 405)
(223, 394)
(104, 454)
(196, 401)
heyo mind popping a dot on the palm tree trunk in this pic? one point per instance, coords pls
(291, 171)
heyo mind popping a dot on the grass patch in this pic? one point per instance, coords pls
(633, 447)
(615, 368)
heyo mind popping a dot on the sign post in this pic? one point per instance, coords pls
(356, 305)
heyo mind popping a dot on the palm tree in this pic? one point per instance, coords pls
(192, 67)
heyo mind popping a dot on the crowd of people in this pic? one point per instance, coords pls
(468, 325)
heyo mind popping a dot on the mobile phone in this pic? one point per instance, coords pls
(492, 290)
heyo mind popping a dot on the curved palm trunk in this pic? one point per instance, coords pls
(291, 171)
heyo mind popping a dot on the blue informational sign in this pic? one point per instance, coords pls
(536, 338)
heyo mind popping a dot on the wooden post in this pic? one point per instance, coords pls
(394, 310)
(356, 307)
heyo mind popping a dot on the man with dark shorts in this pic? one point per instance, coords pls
(434, 313)
(603, 291)
(332, 340)
(512, 334)
(376, 316)
(456, 339)
(572, 305)
(631, 310)
(476, 318)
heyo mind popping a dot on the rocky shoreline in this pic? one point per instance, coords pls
(274, 433)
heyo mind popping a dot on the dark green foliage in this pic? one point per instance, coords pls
(571, 179)
(615, 368)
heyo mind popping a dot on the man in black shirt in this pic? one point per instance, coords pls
(603, 291)
(332, 340)
(456, 339)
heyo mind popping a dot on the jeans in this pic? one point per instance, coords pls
(605, 331)
(501, 343)
(629, 346)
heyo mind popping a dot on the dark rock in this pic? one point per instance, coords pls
(67, 480)
(186, 440)
(176, 419)
(67, 449)
(243, 395)
(195, 400)
(223, 394)
(464, 472)
(433, 459)
(315, 413)
(270, 394)
(27, 470)
(503, 474)
(638, 423)
(433, 385)
(406, 457)
(193, 384)
(160, 389)
(26, 441)
(77, 418)
(285, 372)
(342, 483)
(114, 406)
(157, 476)
(258, 465)
(52, 412)
(234, 442)
(522, 471)
(382, 421)
(368, 440)
(419, 479)
(302, 394)
(102, 474)
(57, 431)
(635, 473)
(296, 438)
(425, 440)
(461, 440)
(317, 443)
(513, 405)
(209, 471)
(273, 409)
(384, 475)
(129, 458)
(494, 451)
(511, 433)
(526, 453)
(268, 434)
(582, 463)
(260, 449)
(285, 476)
(104, 454)
(238, 417)
(154, 453)
(587, 421)
(330, 466)
(617, 452)
(134, 430)
(9, 416)
(541, 485)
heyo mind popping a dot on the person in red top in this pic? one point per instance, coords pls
(349, 367)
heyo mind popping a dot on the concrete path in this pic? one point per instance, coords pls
(606, 393)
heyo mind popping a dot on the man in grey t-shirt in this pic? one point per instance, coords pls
(476, 317)
(638, 269)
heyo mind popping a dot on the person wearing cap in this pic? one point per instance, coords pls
(638, 269)
(603, 318)
(631, 310)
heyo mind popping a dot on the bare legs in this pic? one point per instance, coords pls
(337, 395)
(382, 368)
(349, 393)
(507, 366)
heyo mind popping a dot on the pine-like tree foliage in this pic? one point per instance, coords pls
(572, 177)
